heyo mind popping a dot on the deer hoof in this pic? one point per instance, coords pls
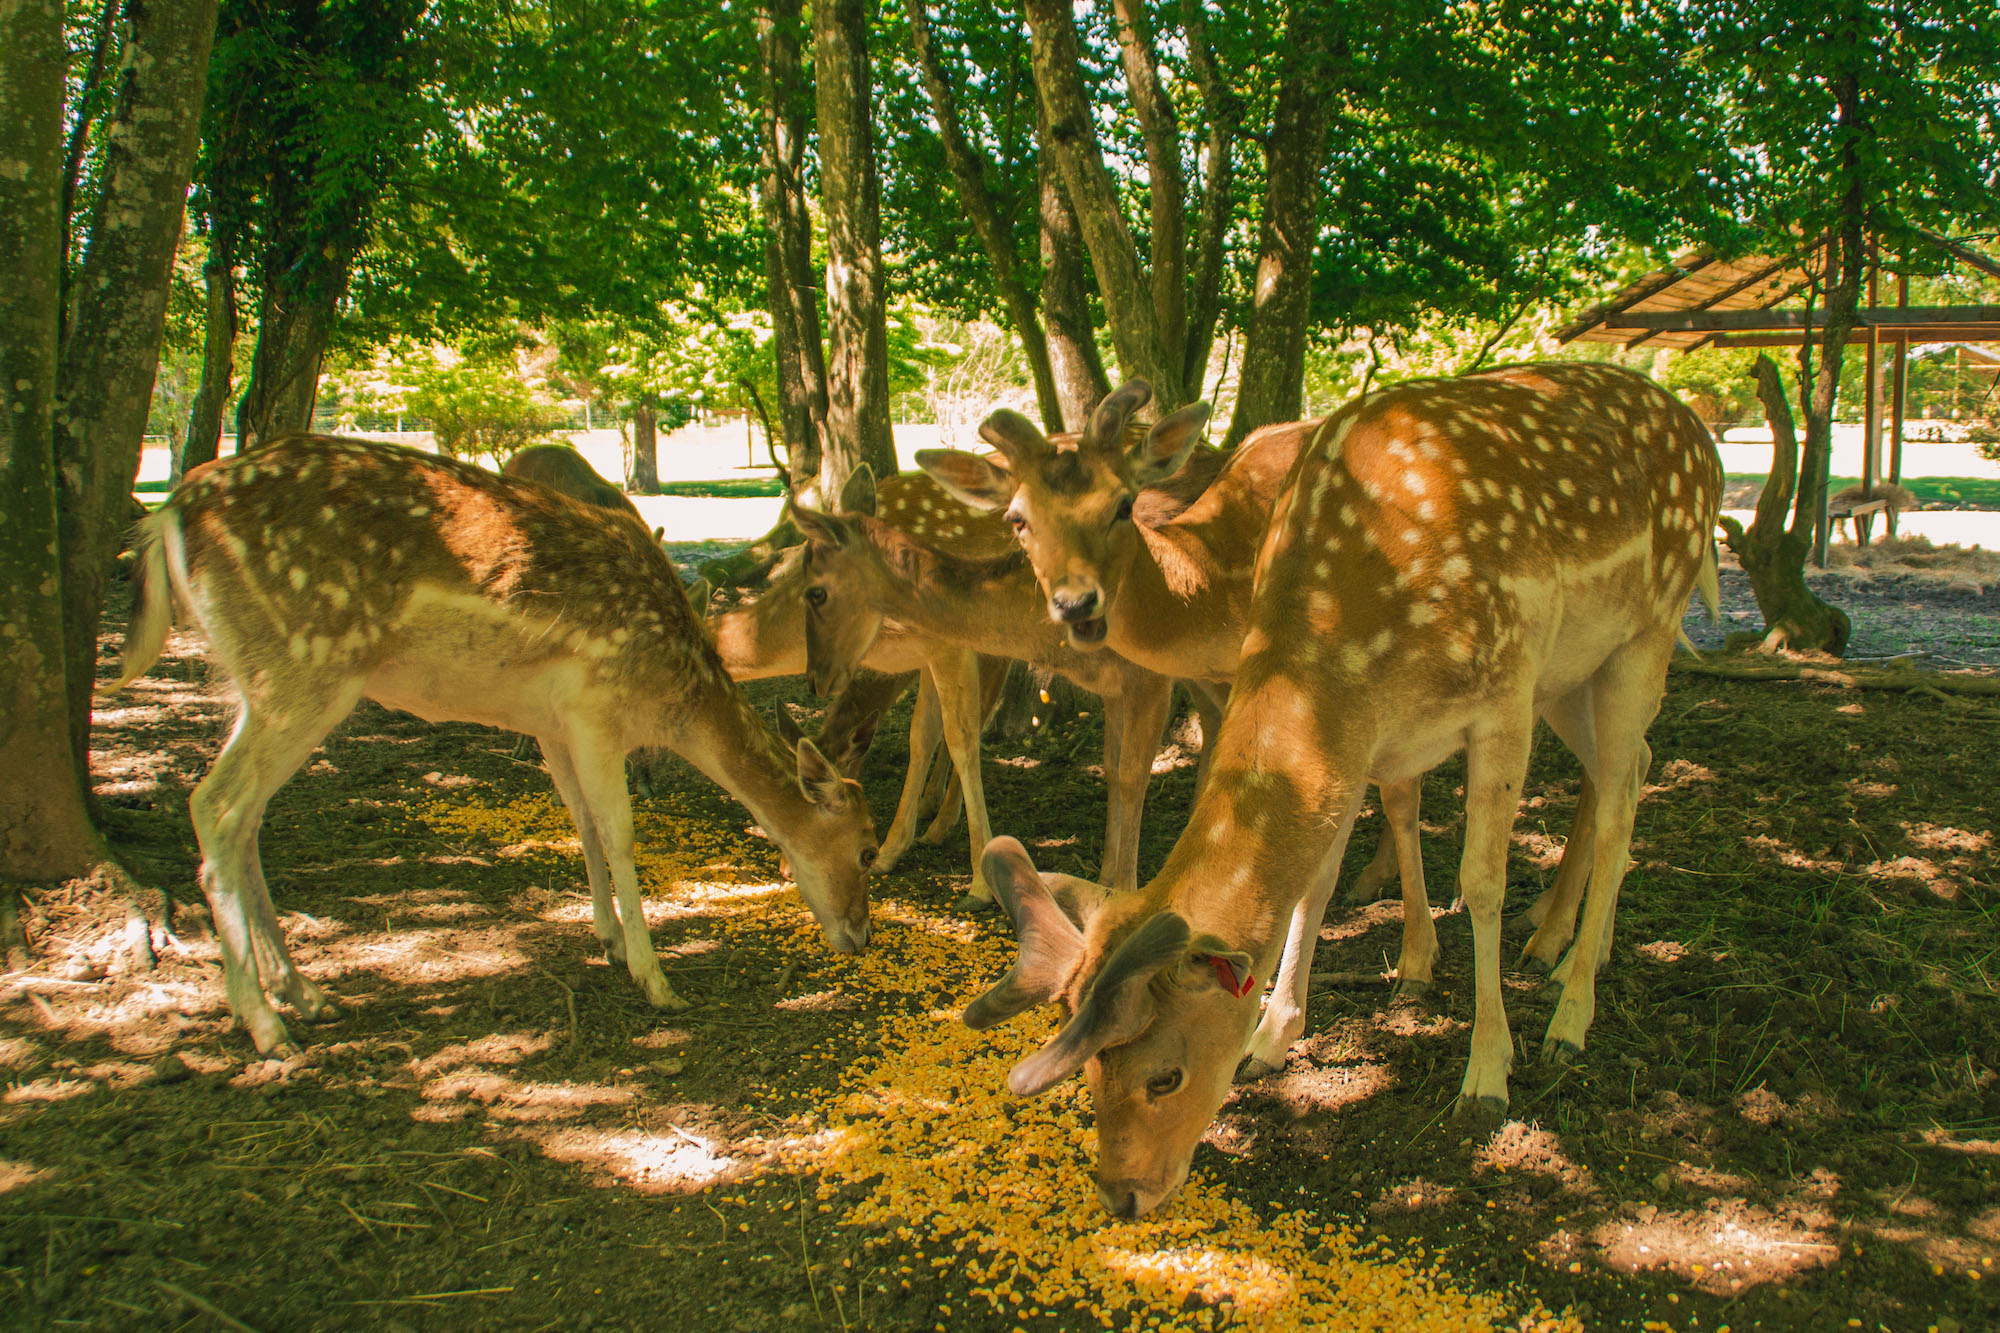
(1558, 1051)
(1254, 1068)
(1409, 991)
(972, 903)
(1475, 1108)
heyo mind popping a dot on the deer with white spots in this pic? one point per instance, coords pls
(324, 571)
(963, 601)
(1451, 560)
(1171, 592)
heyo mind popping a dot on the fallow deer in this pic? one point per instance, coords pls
(862, 573)
(1451, 560)
(326, 571)
(563, 469)
(1171, 590)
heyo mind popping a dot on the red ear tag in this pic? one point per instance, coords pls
(1226, 975)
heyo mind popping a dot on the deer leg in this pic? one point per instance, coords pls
(924, 727)
(264, 750)
(607, 814)
(1284, 1018)
(951, 804)
(1627, 691)
(603, 913)
(1496, 764)
(957, 675)
(1401, 803)
(1116, 714)
(1144, 704)
(1209, 700)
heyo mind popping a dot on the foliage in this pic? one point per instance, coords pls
(480, 409)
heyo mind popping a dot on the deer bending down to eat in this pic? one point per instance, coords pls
(1174, 595)
(767, 637)
(326, 571)
(1452, 559)
(861, 573)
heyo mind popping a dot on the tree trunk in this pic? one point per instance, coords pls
(112, 349)
(295, 309)
(1166, 181)
(45, 827)
(1774, 557)
(218, 353)
(643, 476)
(1223, 112)
(790, 283)
(968, 171)
(1271, 384)
(1122, 281)
(857, 384)
(1073, 360)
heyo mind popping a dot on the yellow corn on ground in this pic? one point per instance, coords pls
(949, 1167)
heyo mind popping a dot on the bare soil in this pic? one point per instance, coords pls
(1788, 1115)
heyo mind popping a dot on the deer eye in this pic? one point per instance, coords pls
(1161, 1085)
(815, 596)
(1124, 514)
(868, 855)
(1017, 521)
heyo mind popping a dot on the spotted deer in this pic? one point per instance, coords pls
(767, 637)
(326, 571)
(1451, 560)
(1171, 591)
(563, 469)
(862, 574)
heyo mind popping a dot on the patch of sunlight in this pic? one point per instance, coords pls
(1313, 1087)
(15, 1175)
(1720, 1257)
(677, 1163)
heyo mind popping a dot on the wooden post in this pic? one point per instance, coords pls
(1896, 404)
(1871, 412)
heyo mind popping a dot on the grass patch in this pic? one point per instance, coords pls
(728, 488)
(1943, 492)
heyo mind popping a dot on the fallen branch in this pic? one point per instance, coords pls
(1853, 677)
(1322, 980)
(569, 999)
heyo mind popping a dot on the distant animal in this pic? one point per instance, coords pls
(326, 571)
(1896, 499)
(563, 469)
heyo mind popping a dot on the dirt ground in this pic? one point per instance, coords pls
(1788, 1115)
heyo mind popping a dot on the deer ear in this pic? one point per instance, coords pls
(1212, 962)
(788, 727)
(1051, 945)
(1117, 1007)
(698, 593)
(1164, 449)
(818, 528)
(1106, 427)
(819, 780)
(1013, 435)
(857, 493)
(973, 481)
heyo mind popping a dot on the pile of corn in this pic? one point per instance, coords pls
(924, 1149)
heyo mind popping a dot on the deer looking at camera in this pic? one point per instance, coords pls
(1174, 595)
(1451, 560)
(327, 571)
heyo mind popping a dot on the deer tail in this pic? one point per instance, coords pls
(147, 634)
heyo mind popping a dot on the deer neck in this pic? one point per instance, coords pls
(1180, 610)
(728, 741)
(1283, 783)
(765, 638)
(991, 605)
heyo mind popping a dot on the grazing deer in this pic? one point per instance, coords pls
(861, 572)
(767, 637)
(563, 469)
(326, 571)
(1451, 560)
(1171, 591)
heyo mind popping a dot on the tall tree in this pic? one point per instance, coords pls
(857, 291)
(45, 827)
(111, 347)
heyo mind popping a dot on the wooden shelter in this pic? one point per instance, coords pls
(1703, 300)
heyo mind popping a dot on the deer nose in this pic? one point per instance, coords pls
(1069, 605)
(1118, 1197)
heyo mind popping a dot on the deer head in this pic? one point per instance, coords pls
(1156, 1017)
(1071, 507)
(839, 568)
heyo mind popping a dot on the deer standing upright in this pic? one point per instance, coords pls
(325, 571)
(1451, 560)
